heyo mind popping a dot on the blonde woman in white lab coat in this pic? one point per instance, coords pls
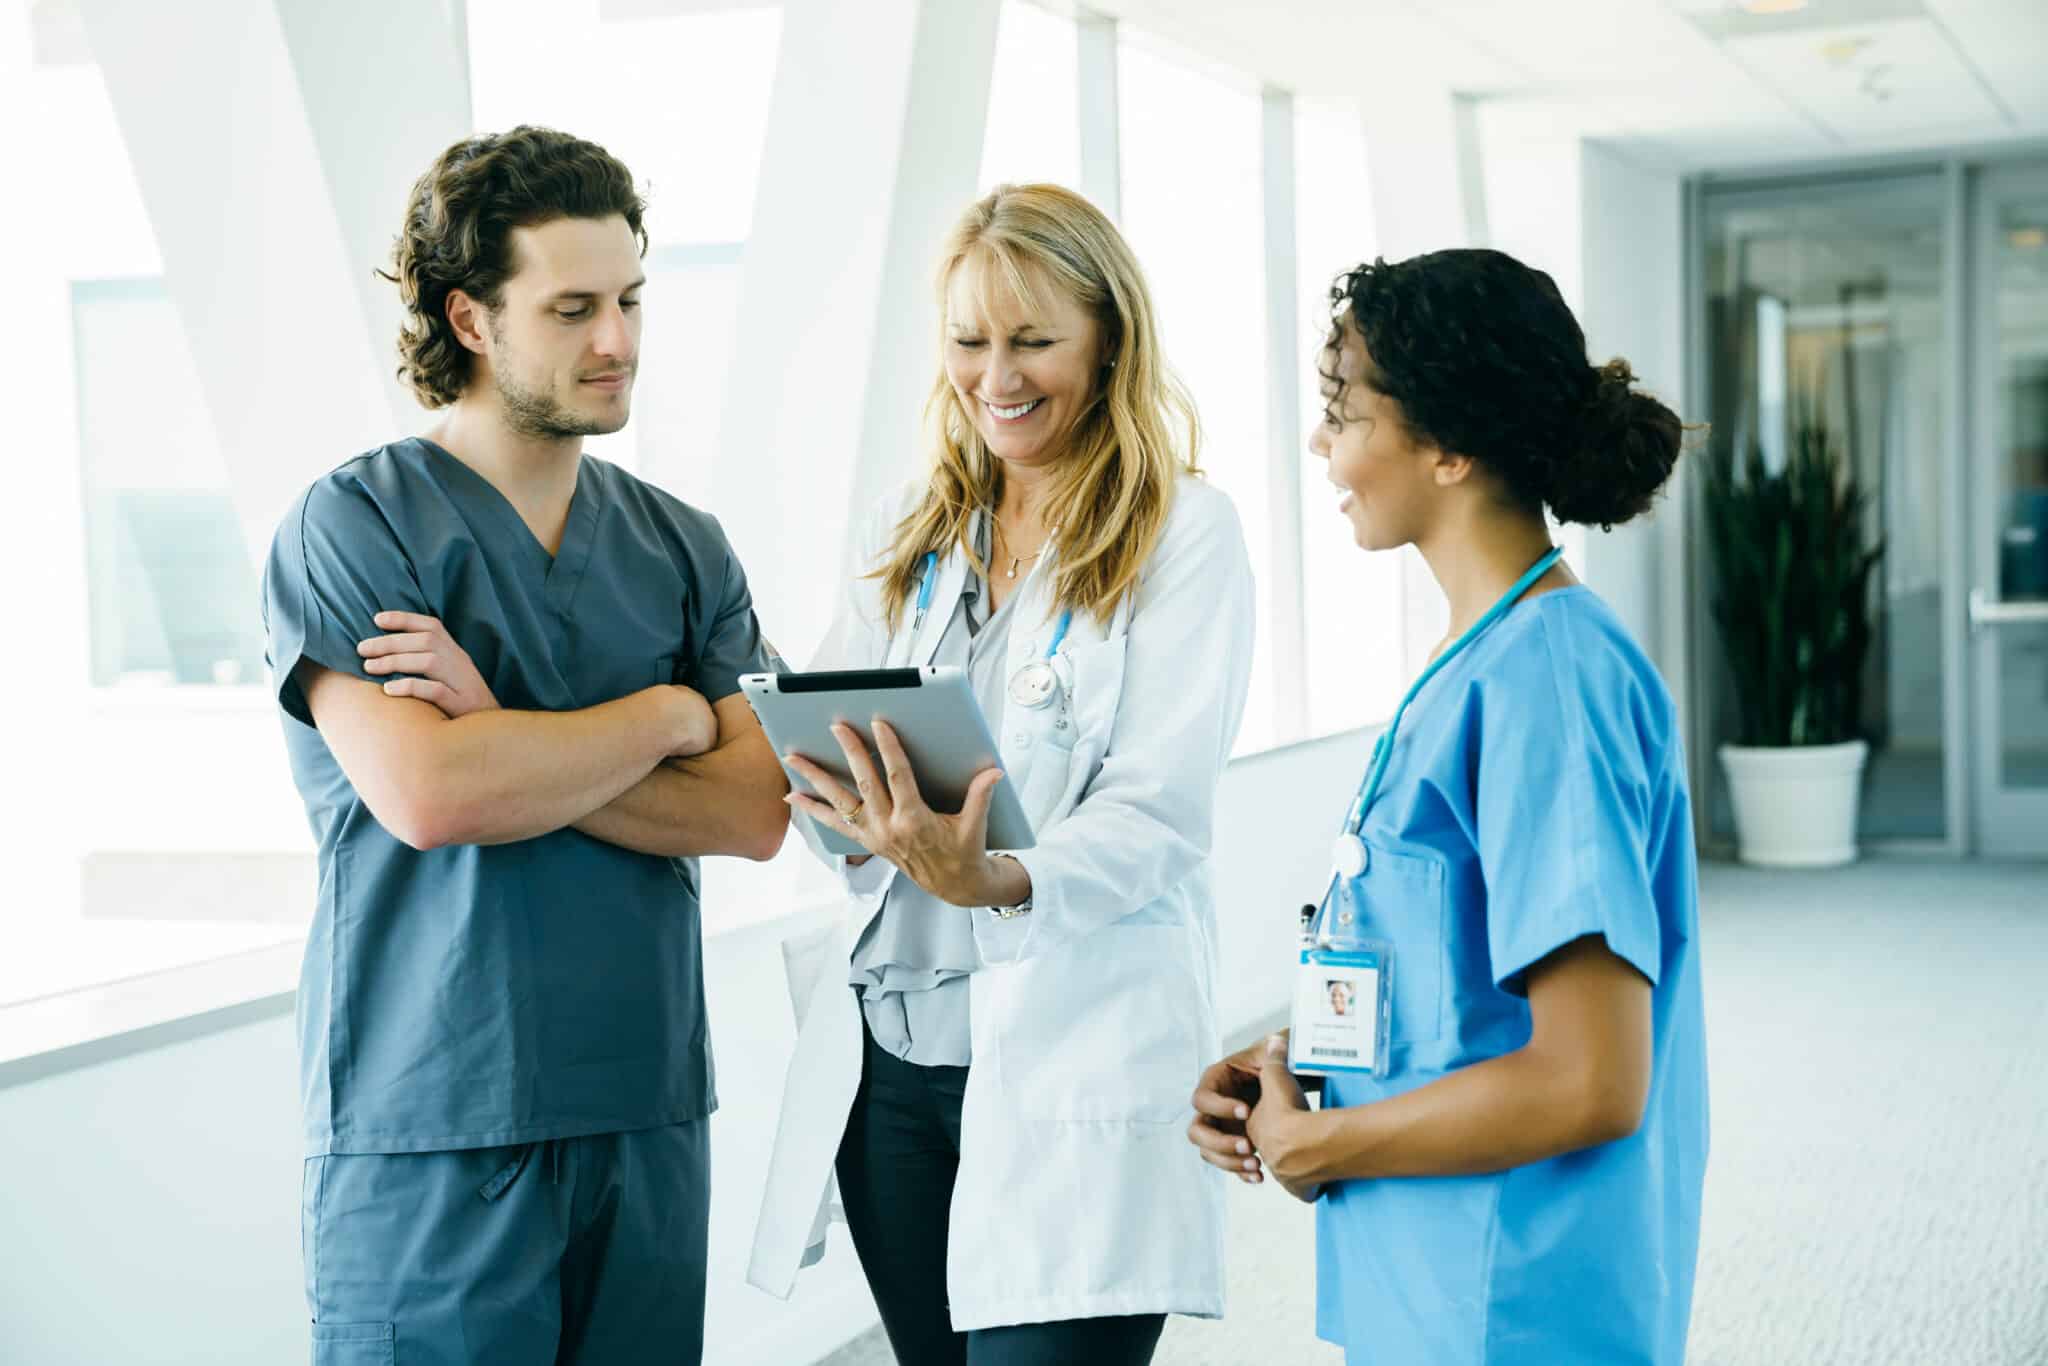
(993, 1051)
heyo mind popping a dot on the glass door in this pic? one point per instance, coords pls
(1826, 309)
(2009, 513)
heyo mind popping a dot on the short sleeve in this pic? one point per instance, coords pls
(1563, 809)
(334, 564)
(732, 643)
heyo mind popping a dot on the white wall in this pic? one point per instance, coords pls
(152, 1201)
(1610, 232)
(1633, 305)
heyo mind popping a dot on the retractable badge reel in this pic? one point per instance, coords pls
(1344, 988)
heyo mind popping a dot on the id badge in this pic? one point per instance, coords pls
(1343, 1002)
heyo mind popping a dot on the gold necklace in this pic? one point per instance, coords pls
(1015, 560)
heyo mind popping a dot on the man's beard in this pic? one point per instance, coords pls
(538, 413)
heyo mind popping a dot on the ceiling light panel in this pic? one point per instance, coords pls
(1898, 81)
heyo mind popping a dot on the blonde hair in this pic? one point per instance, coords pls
(1112, 490)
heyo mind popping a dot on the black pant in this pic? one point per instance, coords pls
(896, 1168)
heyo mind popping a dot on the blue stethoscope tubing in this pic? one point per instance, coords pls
(1348, 855)
(924, 602)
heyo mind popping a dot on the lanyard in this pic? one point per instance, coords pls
(924, 590)
(924, 602)
(1348, 856)
(1059, 632)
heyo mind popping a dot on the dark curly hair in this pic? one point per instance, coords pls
(458, 234)
(1485, 360)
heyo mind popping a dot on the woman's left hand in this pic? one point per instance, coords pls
(1281, 1124)
(945, 855)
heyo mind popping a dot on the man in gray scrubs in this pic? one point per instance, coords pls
(507, 672)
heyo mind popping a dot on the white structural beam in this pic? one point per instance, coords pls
(371, 150)
(1422, 154)
(1102, 175)
(1285, 609)
(246, 136)
(1471, 165)
(872, 151)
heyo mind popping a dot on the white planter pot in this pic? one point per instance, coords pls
(1795, 807)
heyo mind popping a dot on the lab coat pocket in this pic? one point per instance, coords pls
(355, 1344)
(1097, 684)
(1105, 1027)
(1045, 777)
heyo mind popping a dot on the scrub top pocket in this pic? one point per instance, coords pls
(1400, 898)
(355, 1344)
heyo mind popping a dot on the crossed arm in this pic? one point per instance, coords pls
(438, 762)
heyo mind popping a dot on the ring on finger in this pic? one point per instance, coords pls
(852, 813)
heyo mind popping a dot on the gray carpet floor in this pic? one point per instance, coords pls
(1878, 1185)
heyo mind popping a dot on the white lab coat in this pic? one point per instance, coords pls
(1078, 1194)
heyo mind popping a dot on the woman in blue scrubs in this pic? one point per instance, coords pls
(1518, 1178)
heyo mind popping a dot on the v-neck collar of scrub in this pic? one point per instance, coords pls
(561, 571)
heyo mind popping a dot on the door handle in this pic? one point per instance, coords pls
(1986, 611)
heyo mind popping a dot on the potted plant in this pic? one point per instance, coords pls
(1793, 562)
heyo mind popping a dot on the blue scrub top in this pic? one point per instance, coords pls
(470, 996)
(1536, 795)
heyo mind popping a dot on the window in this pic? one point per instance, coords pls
(143, 724)
(1351, 599)
(1192, 196)
(682, 100)
(1033, 133)
(165, 830)
(168, 569)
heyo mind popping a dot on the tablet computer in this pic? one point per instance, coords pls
(933, 712)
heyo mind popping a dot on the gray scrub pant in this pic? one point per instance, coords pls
(576, 1250)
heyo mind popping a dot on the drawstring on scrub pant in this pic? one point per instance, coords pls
(506, 1175)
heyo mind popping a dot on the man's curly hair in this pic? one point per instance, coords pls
(458, 234)
(1485, 360)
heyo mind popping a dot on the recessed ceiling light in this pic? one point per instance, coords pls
(2027, 238)
(1773, 6)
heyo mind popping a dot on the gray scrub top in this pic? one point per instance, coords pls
(910, 965)
(473, 995)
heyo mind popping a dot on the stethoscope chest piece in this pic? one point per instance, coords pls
(1035, 685)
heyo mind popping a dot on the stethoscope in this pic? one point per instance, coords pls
(1348, 855)
(1034, 685)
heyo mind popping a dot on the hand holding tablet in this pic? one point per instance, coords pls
(908, 744)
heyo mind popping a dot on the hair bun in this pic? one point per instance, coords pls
(1628, 444)
(1615, 377)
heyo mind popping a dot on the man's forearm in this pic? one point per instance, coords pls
(499, 776)
(726, 801)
